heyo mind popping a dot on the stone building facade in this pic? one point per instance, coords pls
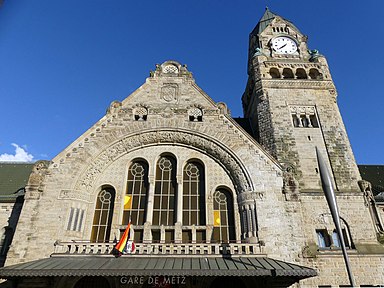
(199, 187)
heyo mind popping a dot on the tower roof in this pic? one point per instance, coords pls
(265, 20)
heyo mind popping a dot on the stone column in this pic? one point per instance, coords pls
(179, 210)
(248, 211)
(149, 212)
(179, 200)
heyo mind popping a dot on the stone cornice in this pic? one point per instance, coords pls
(295, 83)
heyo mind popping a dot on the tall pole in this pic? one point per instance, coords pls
(331, 199)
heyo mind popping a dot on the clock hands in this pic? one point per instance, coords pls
(282, 46)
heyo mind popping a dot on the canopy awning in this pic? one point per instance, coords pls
(156, 266)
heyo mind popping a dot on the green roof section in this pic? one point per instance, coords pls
(13, 177)
(375, 175)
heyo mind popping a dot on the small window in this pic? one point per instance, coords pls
(304, 121)
(304, 116)
(323, 240)
(314, 74)
(287, 73)
(274, 72)
(335, 239)
(295, 120)
(301, 74)
(195, 115)
(140, 113)
(313, 121)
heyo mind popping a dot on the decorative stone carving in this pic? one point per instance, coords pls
(223, 108)
(290, 184)
(222, 154)
(36, 179)
(249, 197)
(114, 107)
(75, 195)
(366, 188)
(169, 92)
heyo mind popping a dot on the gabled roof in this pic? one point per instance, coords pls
(13, 177)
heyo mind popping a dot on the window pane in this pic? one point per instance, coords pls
(156, 204)
(187, 236)
(96, 218)
(164, 202)
(200, 236)
(171, 202)
(138, 236)
(216, 234)
(169, 236)
(164, 215)
(125, 218)
(156, 217)
(156, 236)
(193, 218)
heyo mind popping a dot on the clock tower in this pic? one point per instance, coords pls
(290, 100)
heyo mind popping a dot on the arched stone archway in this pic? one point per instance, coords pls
(222, 154)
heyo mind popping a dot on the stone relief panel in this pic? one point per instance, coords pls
(170, 92)
(133, 142)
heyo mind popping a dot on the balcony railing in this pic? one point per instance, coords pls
(87, 248)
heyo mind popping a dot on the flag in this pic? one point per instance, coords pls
(125, 246)
(216, 218)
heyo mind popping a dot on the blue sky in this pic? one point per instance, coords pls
(63, 62)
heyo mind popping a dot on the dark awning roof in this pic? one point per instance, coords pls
(156, 266)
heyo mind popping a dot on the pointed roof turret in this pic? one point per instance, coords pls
(265, 20)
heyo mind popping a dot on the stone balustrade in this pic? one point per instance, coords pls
(87, 248)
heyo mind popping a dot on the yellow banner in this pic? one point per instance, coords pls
(127, 202)
(216, 218)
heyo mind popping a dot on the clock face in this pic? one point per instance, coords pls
(284, 45)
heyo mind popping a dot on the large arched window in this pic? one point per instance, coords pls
(193, 194)
(101, 228)
(165, 192)
(224, 223)
(135, 199)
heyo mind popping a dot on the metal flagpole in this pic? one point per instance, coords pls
(331, 199)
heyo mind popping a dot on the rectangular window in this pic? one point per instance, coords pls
(323, 240)
(304, 116)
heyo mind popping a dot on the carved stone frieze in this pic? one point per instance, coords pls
(268, 64)
(296, 83)
(74, 195)
(123, 146)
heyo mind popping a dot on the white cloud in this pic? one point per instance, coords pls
(21, 155)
